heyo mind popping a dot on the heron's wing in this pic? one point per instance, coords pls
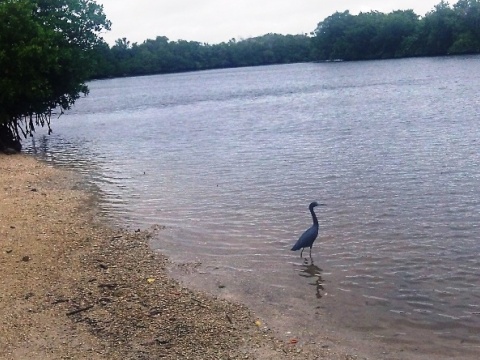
(307, 238)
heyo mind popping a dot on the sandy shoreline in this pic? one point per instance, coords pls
(74, 288)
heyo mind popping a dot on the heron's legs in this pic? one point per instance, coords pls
(310, 252)
(301, 252)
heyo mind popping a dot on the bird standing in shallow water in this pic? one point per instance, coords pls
(309, 236)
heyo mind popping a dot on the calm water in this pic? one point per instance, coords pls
(229, 160)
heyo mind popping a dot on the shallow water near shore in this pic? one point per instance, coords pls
(228, 161)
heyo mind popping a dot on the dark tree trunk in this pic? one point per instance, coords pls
(9, 143)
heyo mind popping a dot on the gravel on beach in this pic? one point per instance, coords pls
(74, 287)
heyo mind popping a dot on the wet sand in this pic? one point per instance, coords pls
(73, 287)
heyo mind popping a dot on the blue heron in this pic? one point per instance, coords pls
(309, 236)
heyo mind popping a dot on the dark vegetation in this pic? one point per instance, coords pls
(49, 48)
(44, 61)
(163, 56)
(446, 30)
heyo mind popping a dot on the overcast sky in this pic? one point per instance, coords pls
(215, 21)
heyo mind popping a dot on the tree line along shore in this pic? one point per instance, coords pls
(446, 30)
(50, 49)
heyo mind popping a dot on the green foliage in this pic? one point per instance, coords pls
(468, 27)
(369, 35)
(44, 58)
(330, 36)
(164, 56)
(444, 30)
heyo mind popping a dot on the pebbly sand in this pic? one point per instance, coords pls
(75, 288)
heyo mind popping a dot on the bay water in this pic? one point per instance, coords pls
(228, 161)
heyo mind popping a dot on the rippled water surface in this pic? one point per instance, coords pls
(228, 161)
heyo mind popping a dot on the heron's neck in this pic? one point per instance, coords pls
(314, 217)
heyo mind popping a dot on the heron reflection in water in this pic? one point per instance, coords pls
(313, 271)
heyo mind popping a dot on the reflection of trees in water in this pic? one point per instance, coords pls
(313, 271)
(42, 148)
(74, 154)
(46, 147)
